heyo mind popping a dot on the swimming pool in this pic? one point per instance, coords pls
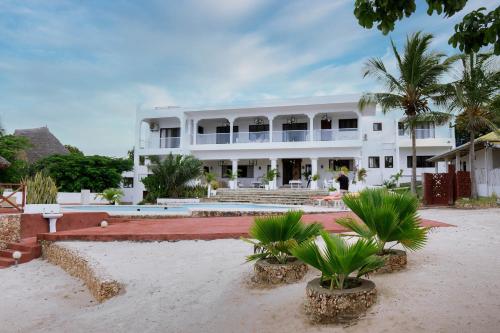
(180, 209)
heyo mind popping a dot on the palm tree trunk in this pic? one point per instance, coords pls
(413, 186)
(472, 158)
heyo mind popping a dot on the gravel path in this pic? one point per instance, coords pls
(453, 285)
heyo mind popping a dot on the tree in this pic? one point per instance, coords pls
(474, 97)
(75, 172)
(11, 148)
(171, 176)
(417, 82)
(73, 150)
(477, 29)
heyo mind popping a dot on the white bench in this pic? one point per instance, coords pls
(295, 182)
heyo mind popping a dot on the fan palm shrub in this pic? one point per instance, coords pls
(338, 259)
(414, 86)
(171, 177)
(274, 236)
(386, 217)
(112, 195)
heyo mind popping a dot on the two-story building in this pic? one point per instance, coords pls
(297, 137)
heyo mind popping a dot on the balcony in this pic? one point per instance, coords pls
(251, 137)
(420, 133)
(291, 136)
(427, 137)
(336, 134)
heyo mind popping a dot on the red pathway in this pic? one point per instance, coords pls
(204, 228)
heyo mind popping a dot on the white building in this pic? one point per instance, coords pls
(313, 135)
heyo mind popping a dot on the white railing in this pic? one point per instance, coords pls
(336, 134)
(251, 137)
(212, 138)
(291, 136)
(170, 142)
(420, 133)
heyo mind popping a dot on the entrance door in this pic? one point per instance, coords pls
(291, 170)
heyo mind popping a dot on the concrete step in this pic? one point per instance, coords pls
(25, 256)
(29, 248)
(6, 262)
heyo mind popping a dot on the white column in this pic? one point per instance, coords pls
(235, 172)
(436, 167)
(274, 165)
(271, 128)
(231, 130)
(457, 162)
(487, 169)
(314, 171)
(311, 127)
(137, 196)
(446, 160)
(195, 131)
(182, 139)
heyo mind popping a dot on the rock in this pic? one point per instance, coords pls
(270, 273)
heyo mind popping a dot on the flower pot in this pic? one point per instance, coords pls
(41, 208)
(266, 187)
(337, 306)
(270, 272)
(395, 260)
(232, 184)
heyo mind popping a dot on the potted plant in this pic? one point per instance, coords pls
(387, 218)
(339, 295)
(273, 237)
(209, 179)
(269, 178)
(332, 190)
(111, 195)
(232, 179)
(362, 175)
(41, 195)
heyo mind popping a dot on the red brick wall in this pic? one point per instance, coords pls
(33, 224)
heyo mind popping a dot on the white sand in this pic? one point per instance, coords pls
(453, 285)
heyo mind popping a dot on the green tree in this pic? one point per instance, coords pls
(75, 172)
(417, 83)
(73, 150)
(11, 148)
(474, 97)
(170, 177)
(477, 29)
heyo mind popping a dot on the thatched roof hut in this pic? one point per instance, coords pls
(43, 143)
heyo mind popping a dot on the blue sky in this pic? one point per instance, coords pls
(83, 67)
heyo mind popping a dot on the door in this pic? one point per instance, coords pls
(222, 134)
(326, 133)
(294, 132)
(170, 137)
(258, 133)
(291, 170)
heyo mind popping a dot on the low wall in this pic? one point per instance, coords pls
(10, 229)
(100, 285)
(67, 198)
(34, 224)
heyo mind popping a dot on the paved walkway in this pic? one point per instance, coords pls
(204, 228)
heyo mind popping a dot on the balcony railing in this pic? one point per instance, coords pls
(291, 136)
(336, 134)
(212, 138)
(251, 137)
(170, 142)
(420, 133)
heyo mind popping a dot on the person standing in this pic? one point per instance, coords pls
(343, 181)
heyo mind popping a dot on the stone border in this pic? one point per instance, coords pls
(270, 274)
(395, 260)
(10, 229)
(101, 286)
(338, 306)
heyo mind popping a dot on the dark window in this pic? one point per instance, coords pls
(389, 162)
(348, 123)
(374, 162)
(337, 164)
(206, 169)
(244, 171)
(142, 160)
(377, 127)
(128, 182)
(421, 162)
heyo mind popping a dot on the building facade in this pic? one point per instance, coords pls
(296, 137)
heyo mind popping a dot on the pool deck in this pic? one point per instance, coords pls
(189, 228)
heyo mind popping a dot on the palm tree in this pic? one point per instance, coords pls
(339, 259)
(171, 176)
(386, 217)
(416, 84)
(276, 235)
(472, 96)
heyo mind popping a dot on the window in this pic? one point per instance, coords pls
(389, 162)
(347, 124)
(128, 182)
(142, 160)
(377, 127)
(374, 162)
(337, 164)
(421, 162)
(244, 171)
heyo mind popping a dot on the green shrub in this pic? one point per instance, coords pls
(275, 235)
(111, 195)
(41, 189)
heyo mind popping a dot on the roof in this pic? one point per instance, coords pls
(43, 142)
(4, 163)
(492, 138)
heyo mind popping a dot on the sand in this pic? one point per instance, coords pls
(453, 285)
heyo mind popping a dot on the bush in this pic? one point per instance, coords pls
(112, 195)
(41, 189)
